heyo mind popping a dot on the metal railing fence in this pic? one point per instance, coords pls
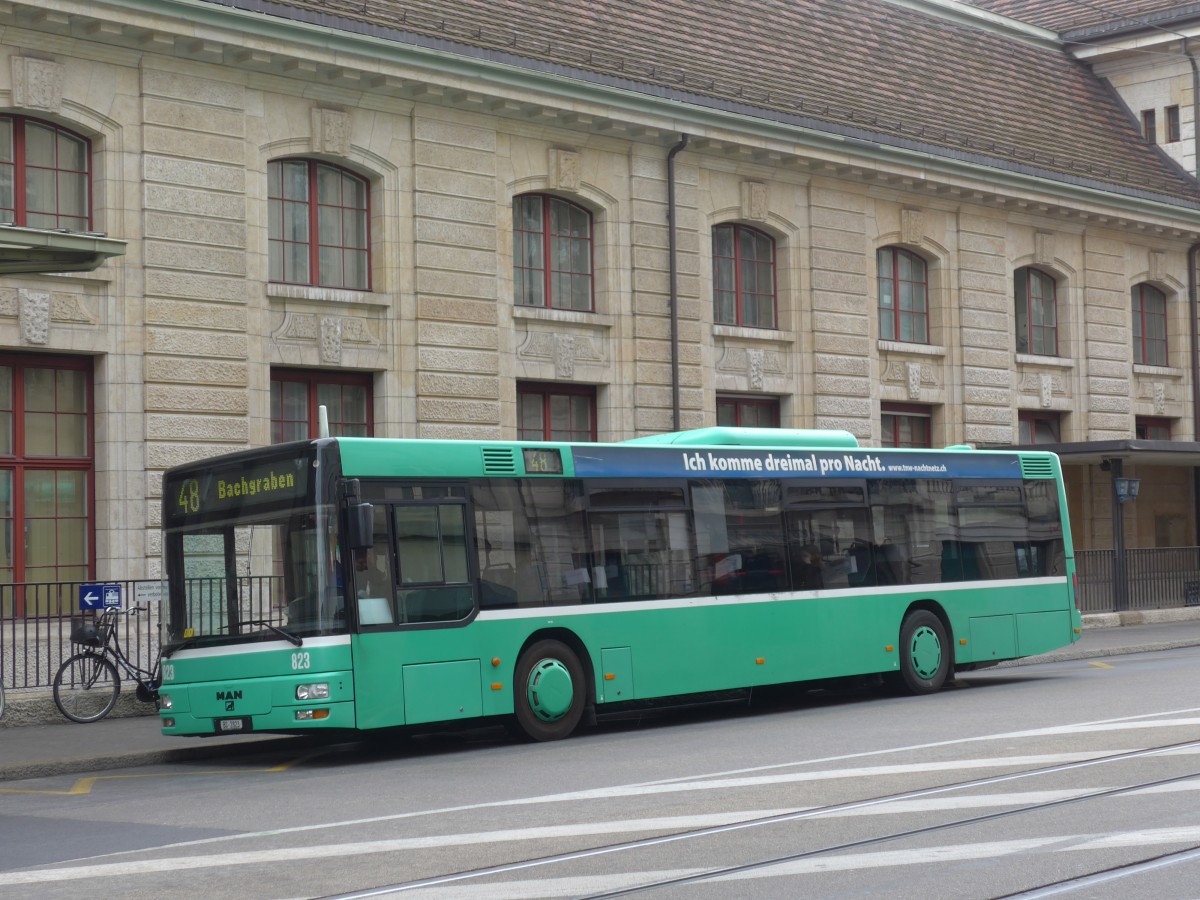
(35, 622)
(35, 630)
(1156, 578)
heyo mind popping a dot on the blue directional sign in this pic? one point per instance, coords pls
(100, 596)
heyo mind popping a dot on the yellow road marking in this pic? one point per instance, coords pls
(85, 785)
(1100, 665)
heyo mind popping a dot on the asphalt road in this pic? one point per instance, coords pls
(1016, 778)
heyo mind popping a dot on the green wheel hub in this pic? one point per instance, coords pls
(925, 651)
(550, 690)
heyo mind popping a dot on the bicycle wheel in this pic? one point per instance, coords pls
(86, 687)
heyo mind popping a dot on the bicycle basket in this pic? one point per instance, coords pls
(85, 632)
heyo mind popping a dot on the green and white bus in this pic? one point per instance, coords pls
(361, 583)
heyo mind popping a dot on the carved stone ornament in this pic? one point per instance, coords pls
(1160, 397)
(912, 374)
(331, 339)
(331, 131)
(914, 381)
(912, 226)
(1045, 385)
(754, 201)
(1158, 265)
(37, 83)
(756, 361)
(1043, 248)
(564, 349)
(564, 356)
(34, 317)
(564, 169)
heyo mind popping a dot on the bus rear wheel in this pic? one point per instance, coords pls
(549, 691)
(924, 652)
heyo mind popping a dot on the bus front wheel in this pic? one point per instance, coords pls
(549, 691)
(924, 652)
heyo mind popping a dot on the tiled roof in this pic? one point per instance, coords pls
(1064, 15)
(882, 72)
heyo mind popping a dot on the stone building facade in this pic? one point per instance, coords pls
(185, 107)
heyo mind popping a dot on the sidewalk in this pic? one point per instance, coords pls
(52, 746)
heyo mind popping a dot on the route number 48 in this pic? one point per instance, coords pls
(189, 496)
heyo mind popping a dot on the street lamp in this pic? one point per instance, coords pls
(1127, 488)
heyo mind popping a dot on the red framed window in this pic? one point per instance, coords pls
(297, 395)
(747, 412)
(903, 296)
(1149, 126)
(906, 425)
(46, 478)
(318, 225)
(1039, 428)
(743, 277)
(1173, 131)
(1149, 429)
(556, 412)
(1036, 298)
(1149, 326)
(45, 175)
(552, 253)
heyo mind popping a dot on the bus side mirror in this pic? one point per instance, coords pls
(360, 526)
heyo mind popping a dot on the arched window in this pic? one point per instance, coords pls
(1037, 312)
(552, 253)
(903, 296)
(743, 277)
(318, 225)
(45, 175)
(1149, 325)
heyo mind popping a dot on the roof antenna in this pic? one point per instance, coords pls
(322, 421)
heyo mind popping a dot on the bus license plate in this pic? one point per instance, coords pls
(225, 726)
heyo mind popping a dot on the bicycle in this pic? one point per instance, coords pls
(88, 682)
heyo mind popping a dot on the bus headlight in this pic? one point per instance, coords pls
(312, 691)
(164, 701)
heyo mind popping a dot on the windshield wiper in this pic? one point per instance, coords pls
(171, 648)
(286, 635)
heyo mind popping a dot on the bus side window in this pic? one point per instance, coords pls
(432, 554)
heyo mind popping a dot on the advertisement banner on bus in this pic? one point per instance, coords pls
(740, 462)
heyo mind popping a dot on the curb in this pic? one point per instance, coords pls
(51, 767)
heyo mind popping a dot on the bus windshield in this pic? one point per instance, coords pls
(251, 550)
(250, 579)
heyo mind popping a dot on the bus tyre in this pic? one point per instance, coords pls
(924, 652)
(549, 691)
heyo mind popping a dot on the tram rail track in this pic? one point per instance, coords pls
(818, 812)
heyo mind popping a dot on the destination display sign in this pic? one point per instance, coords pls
(270, 484)
(742, 462)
